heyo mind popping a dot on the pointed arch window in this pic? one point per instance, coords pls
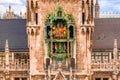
(32, 5)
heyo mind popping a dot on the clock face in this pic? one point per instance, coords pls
(59, 34)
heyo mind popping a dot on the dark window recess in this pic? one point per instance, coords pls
(83, 18)
(47, 63)
(36, 4)
(87, 32)
(32, 5)
(91, 12)
(24, 78)
(97, 78)
(17, 79)
(59, 13)
(32, 32)
(105, 79)
(48, 32)
(82, 3)
(112, 55)
(36, 18)
(73, 63)
(71, 32)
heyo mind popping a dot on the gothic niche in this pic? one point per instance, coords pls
(71, 31)
(48, 32)
(59, 34)
(59, 47)
(59, 30)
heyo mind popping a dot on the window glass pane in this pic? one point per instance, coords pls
(97, 78)
(24, 78)
(105, 79)
(17, 79)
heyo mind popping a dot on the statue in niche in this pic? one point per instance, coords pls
(59, 48)
(36, 5)
(59, 13)
(55, 47)
(70, 18)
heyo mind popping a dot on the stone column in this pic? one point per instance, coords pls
(114, 77)
(110, 56)
(12, 57)
(86, 78)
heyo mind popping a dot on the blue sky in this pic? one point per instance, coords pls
(20, 6)
(109, 6)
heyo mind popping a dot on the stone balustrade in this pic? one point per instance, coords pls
(15, 65)
(105, 65)
(20, 65)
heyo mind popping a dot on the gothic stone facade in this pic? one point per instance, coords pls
(60, 39)
(61, 47)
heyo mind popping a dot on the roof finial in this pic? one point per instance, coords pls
(115, 50)
(7, 53)
(58, 2)
(9, 7)
(97, 2)
(115, 43)
(6, 47)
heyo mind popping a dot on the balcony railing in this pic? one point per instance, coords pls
(98, 65)
(15, 65)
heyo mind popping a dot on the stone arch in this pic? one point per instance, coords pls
(32, 32)
(32, 4)
(83, 31)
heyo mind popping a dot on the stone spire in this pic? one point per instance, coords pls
(97, 9)
(9, 8)
(9, 13)
(97, 2)
(7, 53)
(6, 47)
(115, 50)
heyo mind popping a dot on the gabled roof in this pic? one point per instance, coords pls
(15, 31)
(59, 76)
(106, 30)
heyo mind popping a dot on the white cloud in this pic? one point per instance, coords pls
(2, 9)
(103, 3)
(11, 1)
(17, 6)
(110, 5)
(117, 7)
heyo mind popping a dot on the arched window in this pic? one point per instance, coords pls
(32, 4)
(71, 31)
(48, 32)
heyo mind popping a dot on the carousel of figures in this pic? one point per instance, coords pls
(59, 32)
(60, 47)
